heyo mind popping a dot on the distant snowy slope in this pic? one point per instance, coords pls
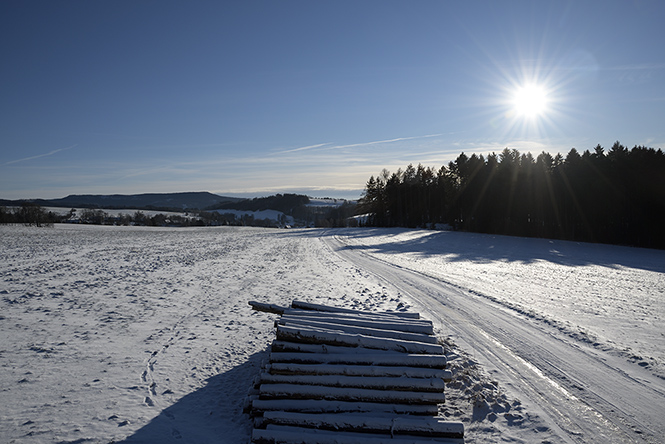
(272, 215)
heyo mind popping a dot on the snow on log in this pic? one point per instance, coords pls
(316, 307)
(297, 435)
(331, 337)
(380, 359)
(364, 316)
(363, 330)
(335, 372)
(278, 368)
(294, 347)
(379, 382)
(295, 391)
(400, 425)
(260, 406)
(398, 324)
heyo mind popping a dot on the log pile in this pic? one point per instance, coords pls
(351, 377)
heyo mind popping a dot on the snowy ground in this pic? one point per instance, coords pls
(607, 295)
(135, 334)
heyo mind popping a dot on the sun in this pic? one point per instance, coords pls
(530, 101)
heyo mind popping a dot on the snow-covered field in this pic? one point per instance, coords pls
(135, 334)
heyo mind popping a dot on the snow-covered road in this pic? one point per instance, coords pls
(582, 393)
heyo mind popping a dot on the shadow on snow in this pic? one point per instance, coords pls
(212, 414)
(460, 246)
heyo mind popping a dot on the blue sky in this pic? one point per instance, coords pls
(249, 98)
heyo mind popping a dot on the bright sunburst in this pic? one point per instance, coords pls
(530, 101)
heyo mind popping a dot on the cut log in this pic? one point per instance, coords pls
(296, 435)
(360, 358)
(331, 337)
(316, 307)
(377, 383)
(267, 308)
(294, 391)
(357, 370)
(400, 425)
(405, 325)
(259, 406)
(294, 347)
(355, 329)
(352, 314)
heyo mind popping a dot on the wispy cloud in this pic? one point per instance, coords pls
(50, 153)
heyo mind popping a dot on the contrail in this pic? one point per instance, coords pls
(303, 148)
(399, 139)
(50, 153)
(355, 144)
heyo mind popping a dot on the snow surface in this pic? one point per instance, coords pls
(138, 334)
(608, 295)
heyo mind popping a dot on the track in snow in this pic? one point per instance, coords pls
(583, 394)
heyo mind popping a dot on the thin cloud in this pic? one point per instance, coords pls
(50, 153)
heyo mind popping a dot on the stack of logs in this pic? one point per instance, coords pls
(345, 376)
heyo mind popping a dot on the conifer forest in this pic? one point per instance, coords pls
(615, 197)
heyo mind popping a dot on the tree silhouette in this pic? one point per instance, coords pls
(618, 197)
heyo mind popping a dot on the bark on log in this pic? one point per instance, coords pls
(375, 383)
(357, 370)
(328, 337)
(317, 307)
(400, 425)
(355, 329)
(260, 406)
(294, 391)
(360, 358)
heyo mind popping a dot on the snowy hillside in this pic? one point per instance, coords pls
(135, 334)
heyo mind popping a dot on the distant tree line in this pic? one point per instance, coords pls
(616, 197)
(32, 214)
(296, 206)
(28, 214)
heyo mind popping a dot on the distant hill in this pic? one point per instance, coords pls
(286, 203)
(159, 201)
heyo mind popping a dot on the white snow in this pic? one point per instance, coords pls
(608, 295)
(136, 334)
